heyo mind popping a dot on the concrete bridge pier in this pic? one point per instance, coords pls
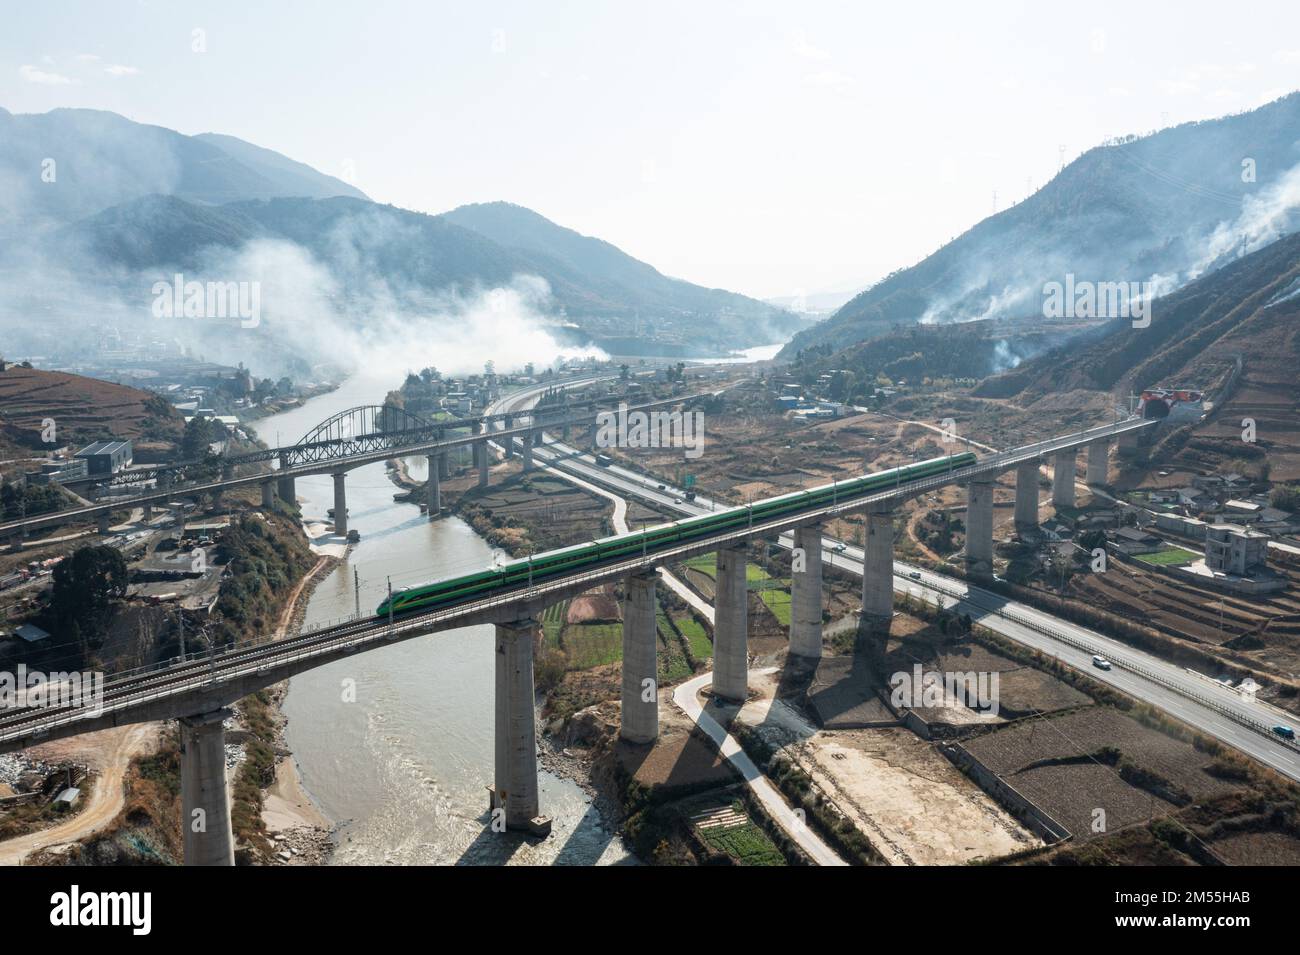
(205, 808)
(806, 594)
(509, 442)
(268, 494)
(102, 524)
(287, 490)
(444, 466)
(731, 626)
(481, 459)
(640, 722)
(528, 452)
(340, 503)
(146, 512)
(1026, 496)
(433, 487)
(878, 567)
(979, 527)
(1098, 463)
(515, 787)
(1063, 479)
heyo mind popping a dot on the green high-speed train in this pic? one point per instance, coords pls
(566, 560)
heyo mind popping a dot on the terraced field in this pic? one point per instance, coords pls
(1099, 759)
(83, 409)
(1265, 628)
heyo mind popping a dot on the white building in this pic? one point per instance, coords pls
(1233, 550)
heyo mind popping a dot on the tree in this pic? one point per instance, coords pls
(198, 436)
(1285, 497)
(1091, 540)
(85, 585)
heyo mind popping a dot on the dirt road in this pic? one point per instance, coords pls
(109, 752)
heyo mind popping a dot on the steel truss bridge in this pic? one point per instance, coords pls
(348, 440)
(359, 430)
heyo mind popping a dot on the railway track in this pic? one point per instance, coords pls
(134, 689)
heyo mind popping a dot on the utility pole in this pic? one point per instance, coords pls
(390, 603)
(356, 587)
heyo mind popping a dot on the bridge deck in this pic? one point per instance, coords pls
(133, 696)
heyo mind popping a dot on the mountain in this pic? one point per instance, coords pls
(156, 232)
(129, 204)
(101, 159)
(1234, 333)
(816, 303)
(1247, 312)
(287, 177)
(1164, 208)
(616, 284)
(605, 295)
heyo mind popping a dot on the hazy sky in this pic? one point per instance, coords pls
(767, 148)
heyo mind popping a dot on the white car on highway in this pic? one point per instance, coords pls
(1100, 662)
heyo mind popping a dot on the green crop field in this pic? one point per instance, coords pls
(553, 622)
(704, 563)
(593, 644)
(777, 601)
(1173, 557)
(773, 591)
(747, 844)
(672, 665)
(697, 640)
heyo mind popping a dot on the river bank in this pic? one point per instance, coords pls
(400, 766)
(301, 831)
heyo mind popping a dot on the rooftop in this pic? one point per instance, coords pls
(105, 447)
(31, 633)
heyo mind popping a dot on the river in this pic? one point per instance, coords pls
(404, 768)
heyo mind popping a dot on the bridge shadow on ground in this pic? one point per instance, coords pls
(842, 691)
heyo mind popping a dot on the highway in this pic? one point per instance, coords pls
(1214, 710)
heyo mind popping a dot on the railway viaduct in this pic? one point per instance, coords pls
(198, 692)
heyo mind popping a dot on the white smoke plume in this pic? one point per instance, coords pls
(1264, 218)
(380, 330)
